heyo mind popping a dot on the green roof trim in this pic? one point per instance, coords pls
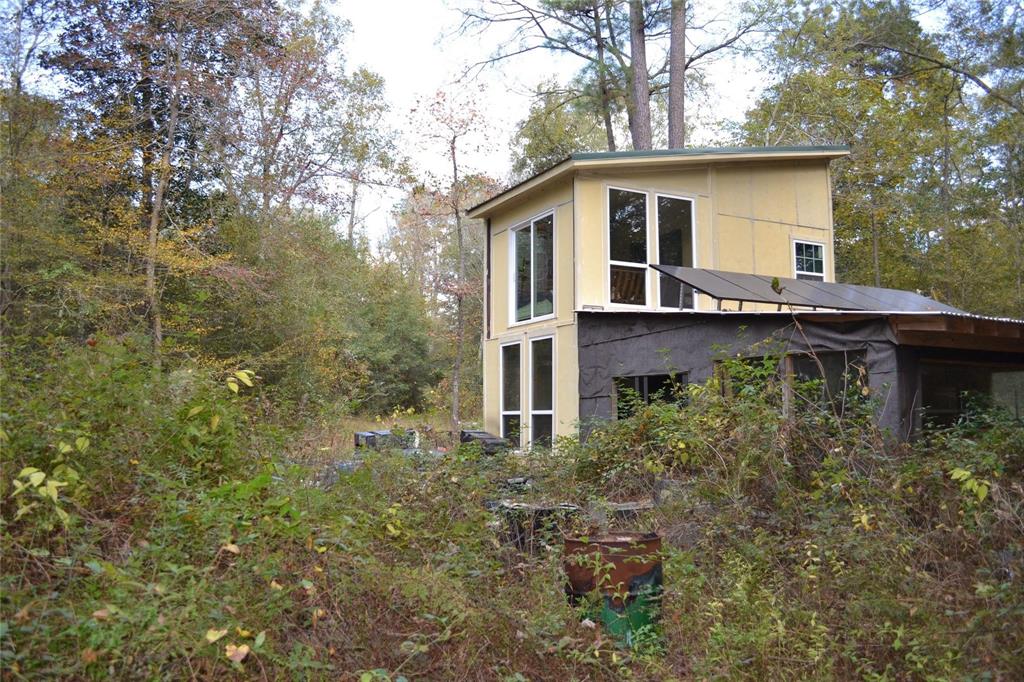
(697, 151)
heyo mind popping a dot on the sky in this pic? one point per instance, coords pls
(416, 48)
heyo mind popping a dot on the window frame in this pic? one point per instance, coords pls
(502, 412)
(528, 224)
(554, 373)
(645, 266)
(824, 261)
(693, 239)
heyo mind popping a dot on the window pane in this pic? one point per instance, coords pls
(522, 274)
(812, 278)
(510, 428)
(542, 375)
(510, 378)
(543, 267)
(540, 433)
(629, 285)
(675, 247)
(627, 226)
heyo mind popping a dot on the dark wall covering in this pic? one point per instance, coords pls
(624, 344)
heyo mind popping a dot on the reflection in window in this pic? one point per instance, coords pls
(675, 247)
(810, 261)
(543, 266)
(627, 243)
(534, 274)
(542, 391)
(633, 391)
(510, 409)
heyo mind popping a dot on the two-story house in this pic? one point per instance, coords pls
(617, 270)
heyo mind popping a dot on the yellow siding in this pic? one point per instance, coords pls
(747, 216)
(561, 326)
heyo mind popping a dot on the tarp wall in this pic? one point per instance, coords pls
(628, 344)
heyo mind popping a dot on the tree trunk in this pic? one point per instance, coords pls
(352, 212)
(602, 80)
(874, 250)
(163, 178)
(677, 76)
(640, 90)
(459, 321)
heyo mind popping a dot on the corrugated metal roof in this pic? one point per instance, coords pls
(737, 286)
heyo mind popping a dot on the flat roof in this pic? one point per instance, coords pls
(654, 158)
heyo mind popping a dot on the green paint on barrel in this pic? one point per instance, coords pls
(635, 613)
(626, 568)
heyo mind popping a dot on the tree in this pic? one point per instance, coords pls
(559, 124)
(926, 198)
(612, 39)
(451, 121)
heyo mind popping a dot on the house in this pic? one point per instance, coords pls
(623, 269)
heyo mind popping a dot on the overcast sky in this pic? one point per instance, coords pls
(415, 47)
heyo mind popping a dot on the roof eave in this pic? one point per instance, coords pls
(650, 159)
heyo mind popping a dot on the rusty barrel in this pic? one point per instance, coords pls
(626, 568)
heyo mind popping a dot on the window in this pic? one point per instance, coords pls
(534, 271)
(627, 246)
(633, 391)
(542, 396)
(833, 379)
(810, 261)
(511, 414)
(675, 247)
(949, 390)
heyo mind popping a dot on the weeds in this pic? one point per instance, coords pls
(795, 547)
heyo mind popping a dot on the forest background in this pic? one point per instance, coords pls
(185, 177)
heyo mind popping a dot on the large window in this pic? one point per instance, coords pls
(534, 271)
(628, 237)
(627, 246)
(675, 247)
(542, 396)
(809, 259)
(511, 415)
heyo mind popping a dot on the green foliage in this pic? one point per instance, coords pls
(929, 197)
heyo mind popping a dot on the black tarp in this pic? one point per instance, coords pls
(614, 344)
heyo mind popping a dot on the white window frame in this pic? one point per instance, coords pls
(502, 412)
(532, 411)
(824, 263)
(528, 225)
(657, 245)
(646, 266)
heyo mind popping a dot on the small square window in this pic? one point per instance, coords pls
(809, 260)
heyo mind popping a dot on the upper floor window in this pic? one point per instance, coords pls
(809, 260)
(675, 247)
(627, 246)
(533, 253)
(628, 237)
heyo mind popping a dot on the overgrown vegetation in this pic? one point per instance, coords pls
(177, 543)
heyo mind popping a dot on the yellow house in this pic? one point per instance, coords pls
(570, 254)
